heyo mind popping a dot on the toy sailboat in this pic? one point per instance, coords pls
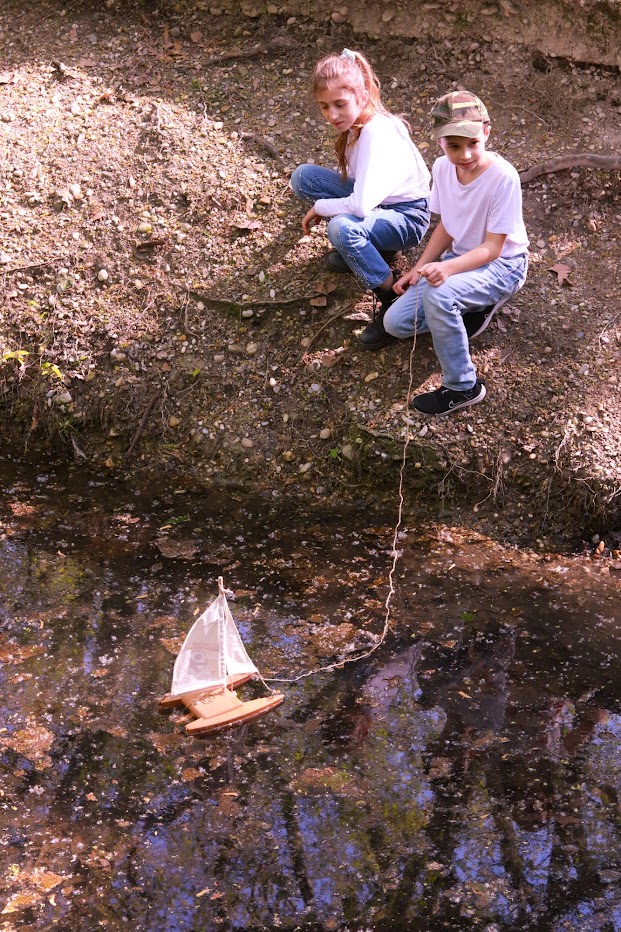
(211, 664)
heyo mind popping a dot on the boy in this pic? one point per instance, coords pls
(476, 258)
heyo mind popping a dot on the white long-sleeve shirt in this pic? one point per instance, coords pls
(386, 168)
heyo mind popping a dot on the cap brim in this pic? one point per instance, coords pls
(458, 128)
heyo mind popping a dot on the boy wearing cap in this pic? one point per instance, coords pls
(476, 258)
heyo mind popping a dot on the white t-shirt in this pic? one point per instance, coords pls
(492, 203)
(386, 168)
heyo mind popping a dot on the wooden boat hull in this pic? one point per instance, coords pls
(233, 682)
(225, 710)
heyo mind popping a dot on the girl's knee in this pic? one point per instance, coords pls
(296, 180)
(343, 230)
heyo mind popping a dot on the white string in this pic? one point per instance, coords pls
(329, 668)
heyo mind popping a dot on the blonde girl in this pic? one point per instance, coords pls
(377, 203)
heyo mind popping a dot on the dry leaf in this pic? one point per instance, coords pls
(196, 36)
(562, 271)
(320, 301)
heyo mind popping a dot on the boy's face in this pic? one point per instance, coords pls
(340, 106)
(468, 155)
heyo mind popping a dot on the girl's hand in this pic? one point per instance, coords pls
(410, 278)
(436, 273)
(309, 221)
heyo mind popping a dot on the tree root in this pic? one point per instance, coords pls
(609, 163)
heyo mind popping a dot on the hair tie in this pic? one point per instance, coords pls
(348, 54)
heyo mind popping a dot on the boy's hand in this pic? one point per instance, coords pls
(310, 219)
(410, 278)
(436, 273)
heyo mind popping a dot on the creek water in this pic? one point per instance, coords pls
(466, 775)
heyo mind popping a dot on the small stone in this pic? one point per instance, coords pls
(247, 443)
(144, 227)
(288, 455)
(305, 467)
(371, 377)
(591, 226)
(261, 277)
(314, 389)
(252, 348)
(219, 357)
(102, 275)
(109, 463)
(347, 452)
(174, 421)
(63, 398)
(247, 313)
(541, 244)
(325, 434)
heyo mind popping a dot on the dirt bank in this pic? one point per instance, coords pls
(161, 308)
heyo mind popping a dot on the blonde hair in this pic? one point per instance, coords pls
(352, 71)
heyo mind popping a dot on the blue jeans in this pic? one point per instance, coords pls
(439, 311)
(358, 239)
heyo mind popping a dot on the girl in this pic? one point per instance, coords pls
(378, 200)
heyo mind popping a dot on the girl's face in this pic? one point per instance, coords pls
(341, 106)
(468, 155)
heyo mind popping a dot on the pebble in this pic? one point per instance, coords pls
(325, 434)
(288, 455)
(102, 275)
(314, 389)
(348, 452)
(64, 398)
(247, 313)
(247, 443)
(174, 421)
(144, 228)
(371, 377)
(261, 277)
(541, 244)
(252, 348)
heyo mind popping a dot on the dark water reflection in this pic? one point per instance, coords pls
(466, 776)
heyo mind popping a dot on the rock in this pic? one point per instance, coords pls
(251, 349)
(305, 467)
(247, 443)
(288, 455)
(63, 398)
(325, 434)
(102, 275)
(144, 227)
(174, 421)
(348, 452)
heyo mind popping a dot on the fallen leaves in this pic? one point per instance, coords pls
(562, 272)
(32, 742)
(323, 287)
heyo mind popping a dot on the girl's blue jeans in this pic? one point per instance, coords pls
(439, 311)
(359, 239)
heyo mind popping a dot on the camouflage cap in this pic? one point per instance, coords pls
(459, 113)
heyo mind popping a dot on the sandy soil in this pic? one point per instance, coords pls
(162, 309)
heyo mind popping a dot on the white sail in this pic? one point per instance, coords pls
(212, 651)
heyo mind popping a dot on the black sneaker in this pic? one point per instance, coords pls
(336, 263)
(476, 322)
(444, 400)
(374, 336)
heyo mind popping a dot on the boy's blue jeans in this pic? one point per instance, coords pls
(439, 311)
(358, 239)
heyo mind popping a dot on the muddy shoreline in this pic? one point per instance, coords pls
(163, 314)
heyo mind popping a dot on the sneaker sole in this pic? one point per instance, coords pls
(465, 404)
(490, 316)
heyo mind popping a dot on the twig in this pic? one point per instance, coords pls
(25, 268)
(262, 141)
(323, 327)
(141, 426)
(230, 302)
(261, 49)
(579, 159)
